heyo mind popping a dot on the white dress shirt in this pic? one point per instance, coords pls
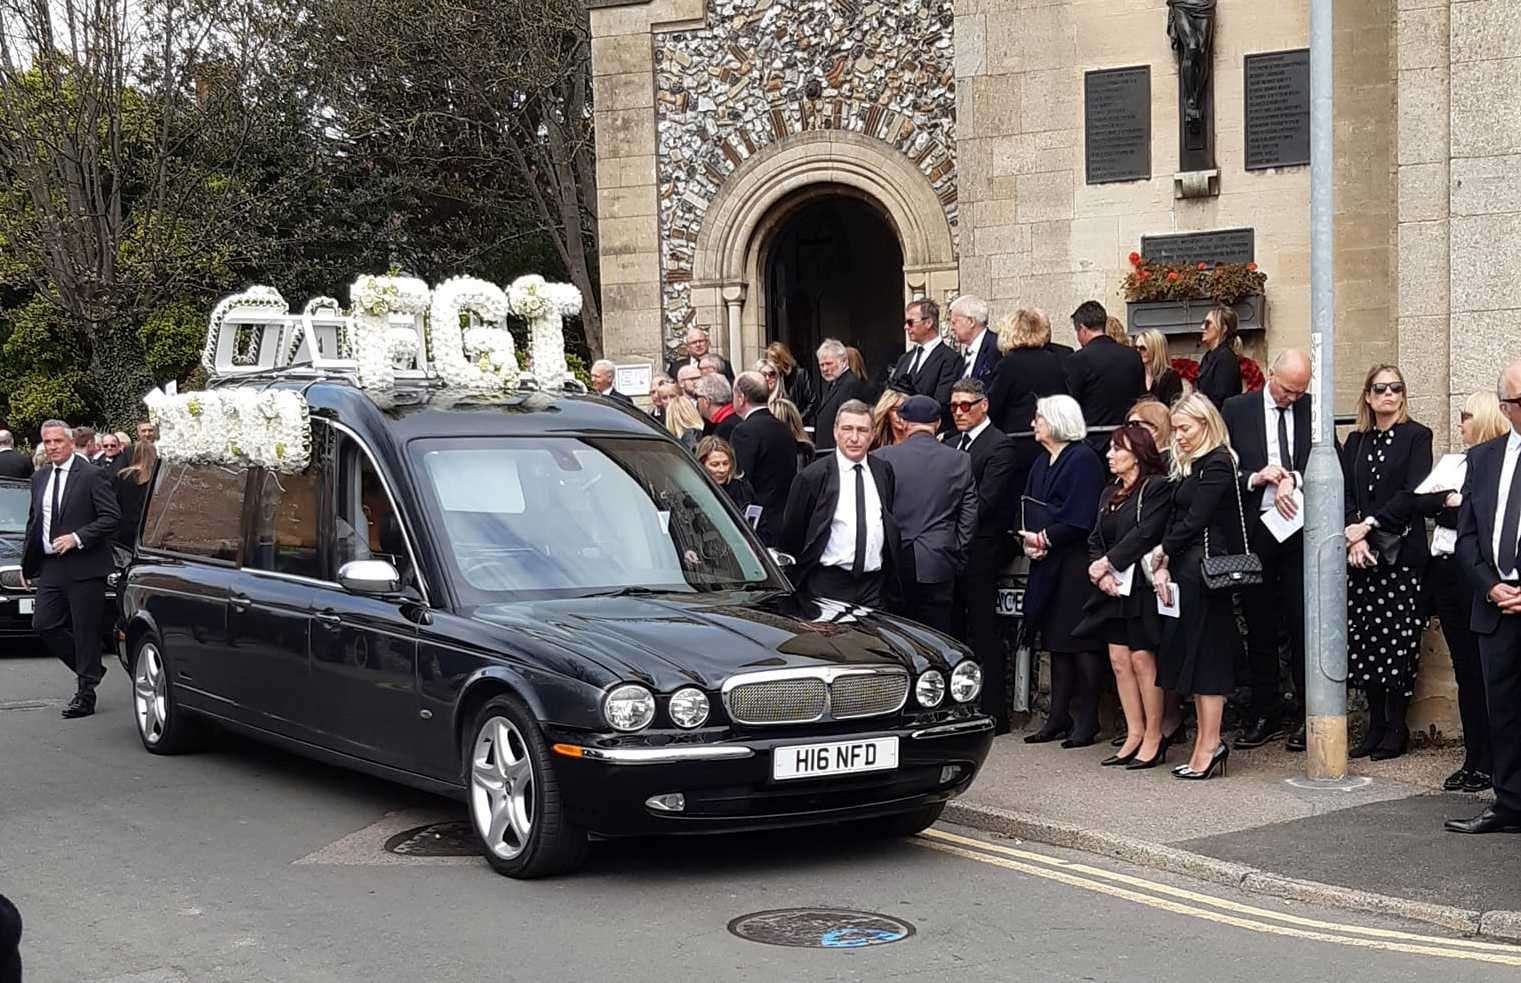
(971, 354)
(60, 477)
(1507, 474)
(924, 352)
(840, 550)
(1270, 418)
(955, 439)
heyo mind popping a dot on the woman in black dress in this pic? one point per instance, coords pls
(717, 457)
(1057, 514)
(131, 487)
(1162, 381)
(1382, 462)
(1220, 369)
(1027, 371)
(1200, 646)
(1132, 516)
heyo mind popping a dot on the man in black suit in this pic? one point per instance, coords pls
(1104, 376)
(1489, 531)
(840, 387)
(68, 556)
(935, 507)
(113, 456)
(1270, 432)
(993, 466)
(765, 453)
(929, 367)
(697, 345)
(838, 523)
(979, 346)
(602, 374)
(13, 463)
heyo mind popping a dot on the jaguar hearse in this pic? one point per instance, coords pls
(526, 597)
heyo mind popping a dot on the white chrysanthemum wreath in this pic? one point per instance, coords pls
(256, 296)
(545, 306)
(481, 356)
(233, 427)
(379, 347)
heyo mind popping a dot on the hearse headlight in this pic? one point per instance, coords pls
(930, 689)
(689, 707)
(629, 707)
(966, 682)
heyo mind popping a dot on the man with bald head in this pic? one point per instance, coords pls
(1489, 535)
(1270, 432)
(698, 344)
(13, 463)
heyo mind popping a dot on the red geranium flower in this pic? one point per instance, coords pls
(1203, 266)
(1135, 259)
(1187, 368)
(1144, 275)
(1172, 275)
(1252, 267)
(1251, 375)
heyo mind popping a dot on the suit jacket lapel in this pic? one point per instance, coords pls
(830, 494)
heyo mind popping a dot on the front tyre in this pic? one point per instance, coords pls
(516, 808)
(161, 725)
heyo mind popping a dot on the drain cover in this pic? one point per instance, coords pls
(820, 928)
(454, 839)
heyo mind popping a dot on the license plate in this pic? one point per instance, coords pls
(1010, 603)
(26, 605)
(839, 758)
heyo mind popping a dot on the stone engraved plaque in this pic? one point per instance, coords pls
(1219, 246)
(1117, 124)
(1277, 87)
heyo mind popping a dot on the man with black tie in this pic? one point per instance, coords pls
(68, 556)
(993, 466)
(838, 523)
(602, 374)
(930, 367)
(765, 453)
(840, 387)
(697, 345)
(979, 346)
(1105, 377)
(1270, 432)
(1489, 528)
(935, 508)
(13, 463)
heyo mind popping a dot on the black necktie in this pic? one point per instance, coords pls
(58, 474)
(858, 565)
(913, 369)
(1507, 558)
(966, 442)
(1285, 461)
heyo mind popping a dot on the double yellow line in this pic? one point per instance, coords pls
(1219, 910)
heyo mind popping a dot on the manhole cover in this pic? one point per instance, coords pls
(821, 928)
(454, 839)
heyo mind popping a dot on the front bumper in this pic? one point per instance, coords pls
(728, 786)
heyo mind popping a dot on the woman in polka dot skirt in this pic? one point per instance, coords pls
(1383, 461)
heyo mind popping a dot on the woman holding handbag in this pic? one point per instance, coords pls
(1203, 557)
(1383, 461)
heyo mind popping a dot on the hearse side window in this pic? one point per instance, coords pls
(285, 527)
(196, 510)
(366, 526)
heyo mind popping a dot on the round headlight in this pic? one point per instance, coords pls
(629, 707)
(966, 682)
(930, 689)
(689, 707)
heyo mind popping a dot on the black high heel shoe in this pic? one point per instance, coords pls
(1119, 759)
(1219, 760)
(1141, 764)
(1045, 736)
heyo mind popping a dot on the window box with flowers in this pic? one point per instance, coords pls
(1174, 297)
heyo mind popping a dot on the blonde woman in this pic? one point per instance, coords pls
(886, 428)
(798, 381)
(1162, 383)
(775, 390)
(683, 421)
(1200, 647)
(786, 411)
(1115, 329)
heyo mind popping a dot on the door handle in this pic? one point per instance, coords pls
(240, 602)
(329, 620)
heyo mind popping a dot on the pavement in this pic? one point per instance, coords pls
(1375, 843)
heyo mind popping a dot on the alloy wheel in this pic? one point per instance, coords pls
(150, 696)
(502, 787)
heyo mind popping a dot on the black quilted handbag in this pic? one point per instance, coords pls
(1231, 571)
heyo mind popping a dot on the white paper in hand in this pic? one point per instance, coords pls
(1172, 607)
(1447, 476)
(1123, 579)
(1280, 527)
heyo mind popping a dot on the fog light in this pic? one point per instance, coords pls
(670, 802)
(949, 773)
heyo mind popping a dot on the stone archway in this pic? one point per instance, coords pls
(729, 263)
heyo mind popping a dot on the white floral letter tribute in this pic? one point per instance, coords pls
(233, 427)
(267, 298)
(377, 345)
(481, 356)
(545, 306)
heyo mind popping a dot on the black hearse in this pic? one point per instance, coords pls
(538, 603)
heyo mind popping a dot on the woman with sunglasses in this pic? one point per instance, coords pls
(1383, 460)
(1162, 381)
(1220, 368)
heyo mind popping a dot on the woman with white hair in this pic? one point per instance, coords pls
(1056, 517)
(1200, 646)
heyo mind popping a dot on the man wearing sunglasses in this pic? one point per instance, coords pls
(929, 367)
(1489, 537)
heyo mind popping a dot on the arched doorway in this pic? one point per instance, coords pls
(834, 269)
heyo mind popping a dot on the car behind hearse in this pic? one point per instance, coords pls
(538, 603)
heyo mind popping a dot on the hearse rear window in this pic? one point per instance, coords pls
(196, 510)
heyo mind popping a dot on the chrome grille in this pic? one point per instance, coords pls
(867, 695)
(795, 696)
(781, 701)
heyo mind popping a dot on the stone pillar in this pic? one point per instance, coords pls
(734, 310)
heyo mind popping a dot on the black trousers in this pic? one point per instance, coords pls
(1275, 607)
(10, 942)
(1500, 654)
(977, 623)
(931, 604)
(67, 617)
(839, 584)
(1450, 597)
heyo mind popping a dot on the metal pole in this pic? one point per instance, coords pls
(1325, 560)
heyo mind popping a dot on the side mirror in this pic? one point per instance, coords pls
(375, 578)
(10, 578)
(783, 560)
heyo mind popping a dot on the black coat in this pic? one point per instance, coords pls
(1126, 534)
(1405, 466)
(938, 372)
(1024, 375)
(89, 511)
(130, 498)
(1247, 425)
(1106, 378)
(810, 509)
(803, 391)
(985, 359)
(1068, 491)
(844, 388)
(1219, 375)
(1476, 530)
(1167, 388)
(14, 464)
(739, 492)
(766, 456)
(993, 471)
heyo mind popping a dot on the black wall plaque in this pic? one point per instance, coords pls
(1220, 246)
(1117, 124)
(1277, 90)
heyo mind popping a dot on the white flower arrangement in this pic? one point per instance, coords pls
(483, 355)
(257, 297)
(314, 307)
(233, 428)
(377, 346)
(545, 306)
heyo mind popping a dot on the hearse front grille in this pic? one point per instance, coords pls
(799, 696)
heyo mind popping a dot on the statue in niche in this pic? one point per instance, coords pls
(1191, 29)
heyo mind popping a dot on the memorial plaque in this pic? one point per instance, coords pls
(1277, 87)
(1117, 124)
(1220, 246)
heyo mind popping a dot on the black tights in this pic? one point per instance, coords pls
(1386, 717)
(1075, 679)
